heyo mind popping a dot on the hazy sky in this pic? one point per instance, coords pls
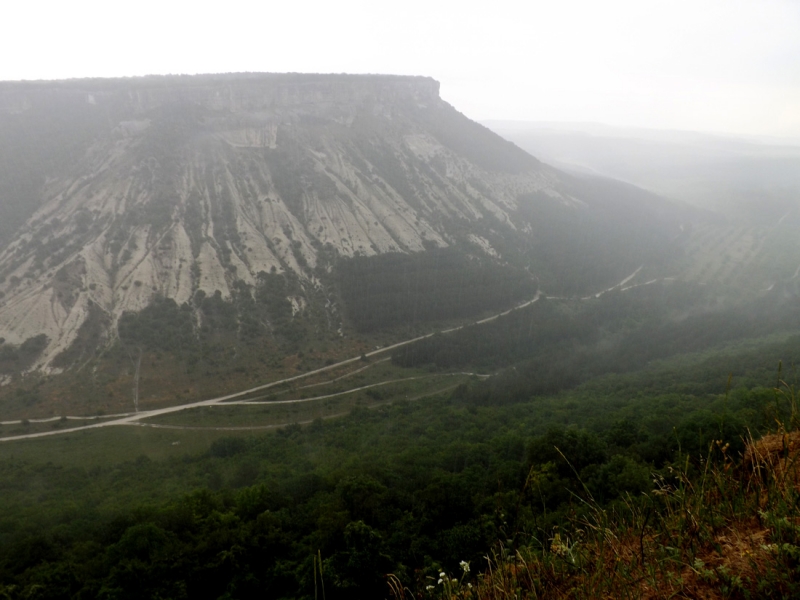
(726, 66)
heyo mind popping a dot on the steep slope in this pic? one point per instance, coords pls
(172, 186)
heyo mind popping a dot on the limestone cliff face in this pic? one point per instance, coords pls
(195, 183)
(240, 92)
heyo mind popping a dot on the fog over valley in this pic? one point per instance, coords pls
(737, 176)
(408, 302)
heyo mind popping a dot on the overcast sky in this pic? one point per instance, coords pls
(708, 65)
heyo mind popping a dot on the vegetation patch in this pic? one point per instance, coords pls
(407, 289)
(14, 359)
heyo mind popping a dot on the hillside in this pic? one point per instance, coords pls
(118, 195)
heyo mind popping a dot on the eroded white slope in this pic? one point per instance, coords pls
(247, 192)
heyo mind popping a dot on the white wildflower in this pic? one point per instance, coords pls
(464, 566)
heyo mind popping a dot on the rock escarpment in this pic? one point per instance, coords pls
(170, 185)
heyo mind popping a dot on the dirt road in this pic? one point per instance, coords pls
(134, 418)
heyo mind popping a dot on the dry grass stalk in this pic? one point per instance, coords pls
(732, 532)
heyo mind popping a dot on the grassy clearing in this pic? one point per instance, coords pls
(25, 426)
(339, 380)
(354, 375)
(104, 385)
(118, 444)
(320, 405)
(109, 446)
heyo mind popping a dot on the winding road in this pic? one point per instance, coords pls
(135, 418)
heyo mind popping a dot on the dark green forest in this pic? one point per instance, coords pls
(409, 488)
(443, 283)
(557, 345)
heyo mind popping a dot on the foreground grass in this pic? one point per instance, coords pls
(721, 527)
